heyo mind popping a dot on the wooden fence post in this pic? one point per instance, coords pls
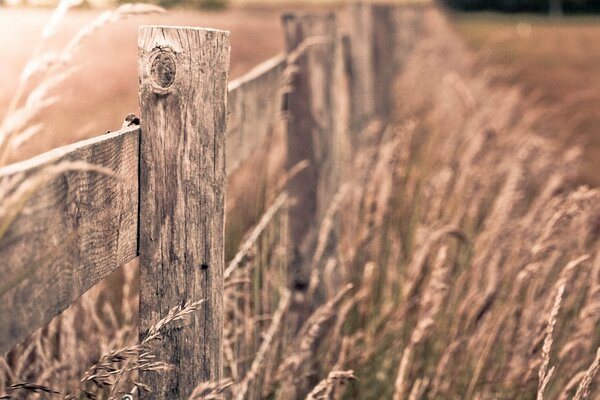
(375, 59)
(316, 129)
(383, 58)
(183, 91)
(372, 52)
(361, 67)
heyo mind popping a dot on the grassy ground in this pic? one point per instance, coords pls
(556, 60)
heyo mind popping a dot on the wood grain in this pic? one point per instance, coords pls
(254, 103)
(182, 199)
(75, 228)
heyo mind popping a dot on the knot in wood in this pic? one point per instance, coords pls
(163, 68)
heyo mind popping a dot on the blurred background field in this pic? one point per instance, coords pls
(553, 59)
(105, 86)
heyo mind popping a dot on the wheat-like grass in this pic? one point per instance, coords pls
(583, 390)
(254, 235)
(17, 127)
(327, 384)
(211, 390)
(265, 346)
(545, 374)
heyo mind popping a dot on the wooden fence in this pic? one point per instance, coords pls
(157, 191)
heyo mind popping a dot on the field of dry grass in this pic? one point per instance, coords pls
(473, 252)
(479, 226)
(554, 61)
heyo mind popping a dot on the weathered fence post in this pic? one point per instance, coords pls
(317, 113)
(361, 70)
(317, 131)
(372, 51)
(183, 90)
(383, 58)
(381, 38)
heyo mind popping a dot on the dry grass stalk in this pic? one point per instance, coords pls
(544, 373)
(433, 296)
(254, 235)
(295, 170)
(115, 367)
(583, 391)
(327, 224)
(54, 357)
(415, 267)
(571, 386)
(418, 389)
(311, 328)
(265, 346)
(17, 127)
(327, 384)
(177, 313)
(211, 390)
(291, 372)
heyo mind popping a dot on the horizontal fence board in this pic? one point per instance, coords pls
(254, 103)
(74, 226)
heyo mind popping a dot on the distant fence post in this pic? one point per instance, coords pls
(315, 106)
(361, 66)
(381, 38)
(183, 90)
(383, 58)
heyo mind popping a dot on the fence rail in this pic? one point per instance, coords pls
(254, 105)
(157, 191)
(76, 229)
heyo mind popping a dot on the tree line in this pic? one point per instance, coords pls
(553, 6)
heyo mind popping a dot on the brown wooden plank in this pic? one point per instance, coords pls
(183, 77)
(254, 104)
(76, 227)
